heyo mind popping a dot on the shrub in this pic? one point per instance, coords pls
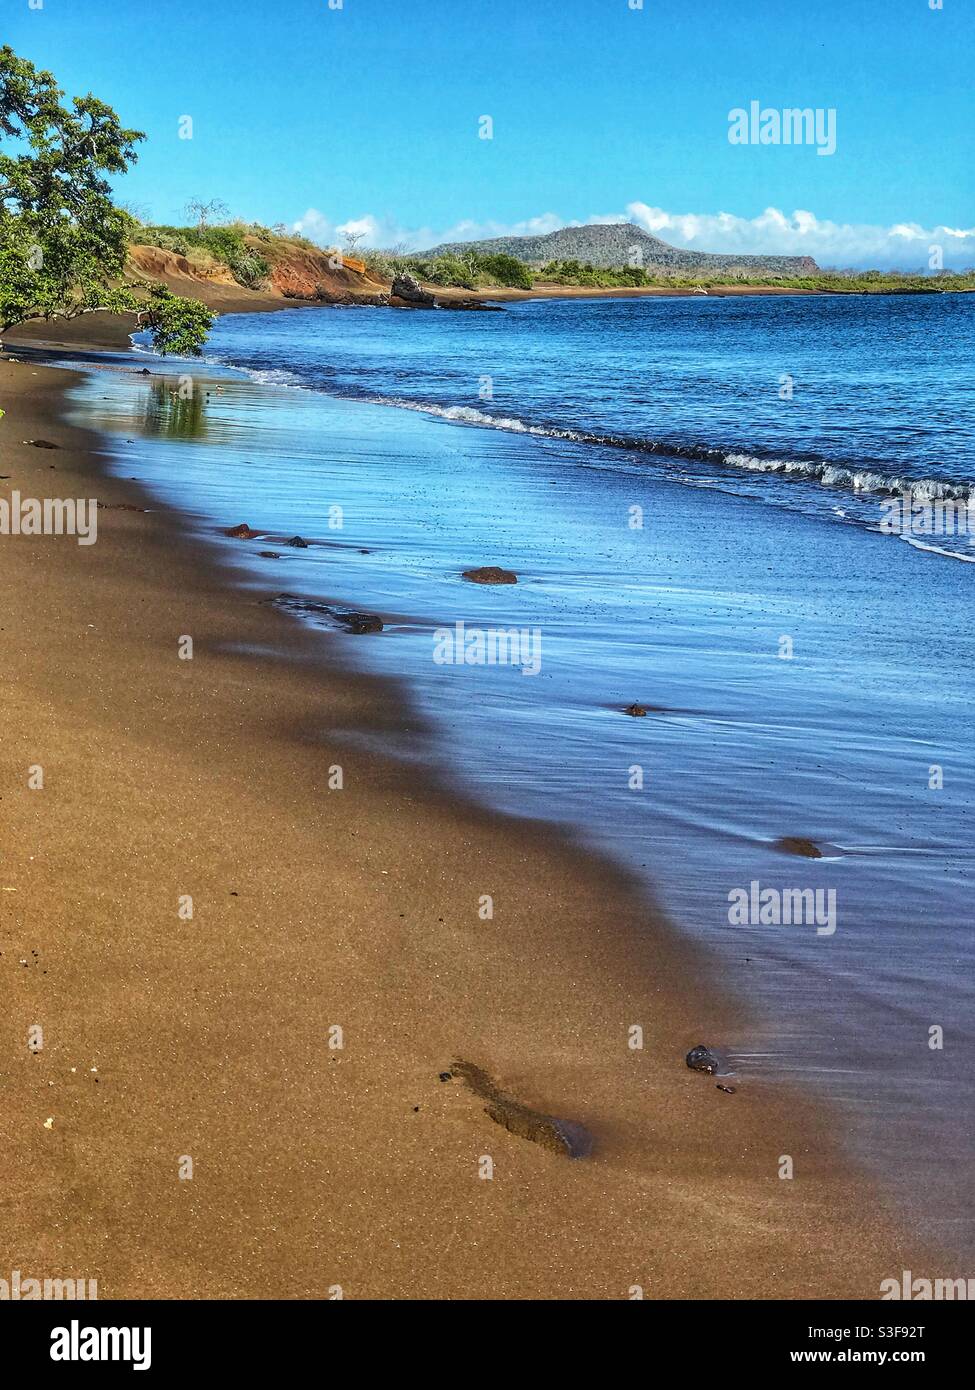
(505, 270)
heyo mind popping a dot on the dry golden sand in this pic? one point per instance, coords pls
(315, 1167)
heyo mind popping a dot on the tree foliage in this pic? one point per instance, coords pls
(62, 240)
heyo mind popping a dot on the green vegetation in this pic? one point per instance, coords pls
(500, 269)
(469, 271)
(572, 272)
(225, 245)
(63, 242)
(177, 325)
(830, 281)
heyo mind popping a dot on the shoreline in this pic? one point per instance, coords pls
(368, 1177)
(99, 329)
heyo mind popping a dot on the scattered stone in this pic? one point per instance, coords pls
(146, 372)
(269, 555)
(701, 1058)
(298, 543)
(446, 1076)
(728, 1090)
(490, 574)
(241, 533)
(795, 844)
(637, 711)
(42, 444)
(565, 1137)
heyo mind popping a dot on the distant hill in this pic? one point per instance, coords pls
(612, 246)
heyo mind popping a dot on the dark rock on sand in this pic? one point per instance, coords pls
(565, 1137)
(242, 532)
(701, 1058)
(795, 844)
(637, 711)
(490, 574)
(409, 289)
(728, 1090)
(446, 1076)
(42, 444)
(298, 542)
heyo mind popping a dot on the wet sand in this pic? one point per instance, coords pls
(316, 1167)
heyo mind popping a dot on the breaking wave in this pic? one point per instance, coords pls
(860, 481)
(856, 480)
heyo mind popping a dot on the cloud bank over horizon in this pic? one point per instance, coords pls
(839, 245)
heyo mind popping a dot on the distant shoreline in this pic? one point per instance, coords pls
(625, 292)
(104, 330)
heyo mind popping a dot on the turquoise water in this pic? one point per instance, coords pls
(805, 675)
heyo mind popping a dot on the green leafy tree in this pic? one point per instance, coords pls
(62, 240)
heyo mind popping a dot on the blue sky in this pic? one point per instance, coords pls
(368, 114)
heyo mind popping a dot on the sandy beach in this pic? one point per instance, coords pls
(318, 1167)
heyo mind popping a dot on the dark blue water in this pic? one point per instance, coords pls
(806, 675)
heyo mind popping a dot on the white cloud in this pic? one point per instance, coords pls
(905, 245)
(841, 244)
(378, 231)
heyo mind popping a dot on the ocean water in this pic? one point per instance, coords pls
(804, 673)
(827, 403)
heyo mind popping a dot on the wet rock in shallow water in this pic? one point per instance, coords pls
(795, 844)
(490, 574)
(241, 533)
(357, 622)
(443, 303)
(566, 1137)
(269, 555)
(637, 711)
(347, 618)
(701, 1058)
(298, 542)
